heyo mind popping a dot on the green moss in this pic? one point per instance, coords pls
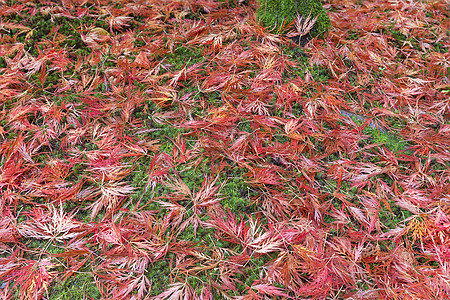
(159, 274)
(318, 72)
(182, 56)
(380, 136)
(389, 140)
(392, 218)
(273, 14)
(2, 64)
(237, 194)
(79, 286)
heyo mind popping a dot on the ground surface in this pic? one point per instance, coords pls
(176, 149)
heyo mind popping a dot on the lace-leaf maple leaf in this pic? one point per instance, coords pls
(51, 224)
(302, 26)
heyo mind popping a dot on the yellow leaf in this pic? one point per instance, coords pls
(99, 31)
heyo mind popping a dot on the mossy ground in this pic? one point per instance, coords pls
(277, 14)
(235, 192)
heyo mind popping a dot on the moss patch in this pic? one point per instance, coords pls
(275, 14)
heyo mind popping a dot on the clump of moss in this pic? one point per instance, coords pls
(276, 14)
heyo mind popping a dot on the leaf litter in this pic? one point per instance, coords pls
(93, 179)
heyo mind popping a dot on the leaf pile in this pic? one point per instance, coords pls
(169, 149)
